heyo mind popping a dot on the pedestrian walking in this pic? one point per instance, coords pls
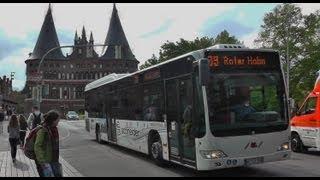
(35, 118)
(23, 129)
(14, 136)
(1, 119)
(46, 146)
(9, 112)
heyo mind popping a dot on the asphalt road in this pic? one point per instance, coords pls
(93, 159)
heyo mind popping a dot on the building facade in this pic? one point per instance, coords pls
(64, 77)
(6, 98)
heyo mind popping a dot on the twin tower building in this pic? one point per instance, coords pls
(65, 77)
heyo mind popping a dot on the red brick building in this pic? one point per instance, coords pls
(6, 98)
(65, 77)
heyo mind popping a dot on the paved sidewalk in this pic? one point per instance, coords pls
(24, 166)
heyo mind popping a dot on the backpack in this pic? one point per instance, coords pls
(36, 120)
(1, 116)
(28, 148)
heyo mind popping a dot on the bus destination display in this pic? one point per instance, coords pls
(242, 60)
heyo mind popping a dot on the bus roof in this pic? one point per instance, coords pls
(104, 80)
(198, 54)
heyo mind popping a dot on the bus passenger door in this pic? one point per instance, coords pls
(113, 126)
(172, 118)
(179, 116)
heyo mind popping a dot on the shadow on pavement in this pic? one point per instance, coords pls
(21, 165)
(184, 171)
(312, 152)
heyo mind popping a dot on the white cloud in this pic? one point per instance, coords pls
(307, 8)
(15, 63)
(17, 20)
(136, 20)
(249, 39)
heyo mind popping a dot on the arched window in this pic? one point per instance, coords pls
(59, 76)
(63, 76)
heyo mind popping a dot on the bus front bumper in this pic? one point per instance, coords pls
(229, 162)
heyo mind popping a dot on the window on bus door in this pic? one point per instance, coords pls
(115, 105)
(94, 104)
(309, 106)
(152, 102)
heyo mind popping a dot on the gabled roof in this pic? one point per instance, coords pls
(47, 40)
(116, 37)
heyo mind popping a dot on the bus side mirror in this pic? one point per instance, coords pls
(292, 103)
(203, 71)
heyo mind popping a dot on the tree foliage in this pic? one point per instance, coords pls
(225, 38)
(171, 50)
(286, 27)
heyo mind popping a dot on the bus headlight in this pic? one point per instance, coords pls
(212, 154)
(283, 147)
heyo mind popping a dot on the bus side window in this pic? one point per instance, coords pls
(135, 106)
(152, 102)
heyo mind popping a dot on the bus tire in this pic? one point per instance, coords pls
(98, 134)
(155, 149)
(297, 144)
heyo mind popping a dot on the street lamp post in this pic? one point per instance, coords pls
(40, 81)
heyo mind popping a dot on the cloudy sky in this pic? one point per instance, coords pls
(147, 26)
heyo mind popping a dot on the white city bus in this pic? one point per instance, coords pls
(220, 107)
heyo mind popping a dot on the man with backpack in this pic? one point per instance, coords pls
(35, 118)
(42, 145)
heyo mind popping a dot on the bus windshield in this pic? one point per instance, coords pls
(242, 103)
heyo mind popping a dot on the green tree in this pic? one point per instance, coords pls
(171, 50)
(152, 61)
(225, 38)
(286, 27)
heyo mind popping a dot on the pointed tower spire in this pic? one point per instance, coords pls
(116, 39)
(76, 36)
(47, 39)
(91, 37)
(84, 36)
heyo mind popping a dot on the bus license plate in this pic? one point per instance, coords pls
(251, 161)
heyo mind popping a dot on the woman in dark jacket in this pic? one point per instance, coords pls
(13, 130)
(23, 129)
(46, 146)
